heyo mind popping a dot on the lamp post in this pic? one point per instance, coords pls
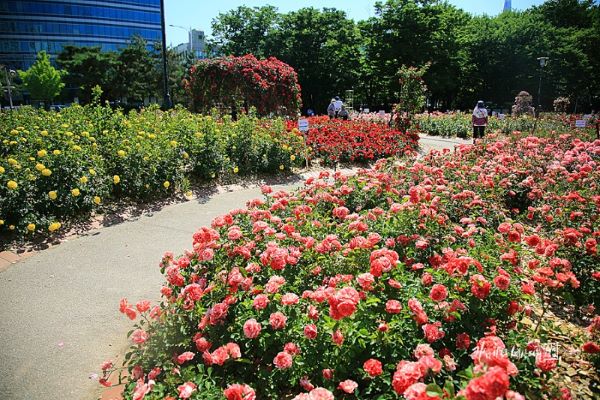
(543, 61)
(189, 32)
(9, 73)
(167, 96)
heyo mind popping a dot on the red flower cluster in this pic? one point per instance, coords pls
(356, 140)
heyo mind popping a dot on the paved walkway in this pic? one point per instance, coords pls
(59, 314)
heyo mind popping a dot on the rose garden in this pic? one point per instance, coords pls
(393, 271)
(437, 277)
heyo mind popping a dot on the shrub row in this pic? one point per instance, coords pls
(55, 165)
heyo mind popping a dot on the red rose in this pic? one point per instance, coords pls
(438, 293)
(373, 367)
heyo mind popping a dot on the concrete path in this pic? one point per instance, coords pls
(59, 315)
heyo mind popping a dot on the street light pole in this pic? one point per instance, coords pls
(167, 97)
(543, 61)
(9, 73)
(189, 32)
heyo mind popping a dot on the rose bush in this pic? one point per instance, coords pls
(459, 124)
(58, 165)
(411, 279)
(355, 140)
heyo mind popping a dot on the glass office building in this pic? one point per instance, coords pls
(27, 27)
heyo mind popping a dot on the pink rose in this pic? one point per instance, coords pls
(348, 386)
(310, 331)
(289, 299)
(252, 328)
(186, 390)
(277, 320)
(183, 357)
(139, 336)
(283, 360)
(239, 392)
(393, 306)
(260, 302)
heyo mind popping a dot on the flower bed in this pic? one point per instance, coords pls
(355, 140)
(56, 165)
(459, 125)
(414, 279)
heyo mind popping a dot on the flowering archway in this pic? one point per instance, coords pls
(271, 86)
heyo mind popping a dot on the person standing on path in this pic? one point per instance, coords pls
(338, 106)
(479, 120)
(331, 109)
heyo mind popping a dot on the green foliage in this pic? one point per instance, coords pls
(411, 98)
(88, 67)
(42, 80)
(107, 155)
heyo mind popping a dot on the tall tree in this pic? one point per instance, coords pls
(88, 67)
(324, 48)
(137, 74)
(243, 31)
(42, 80)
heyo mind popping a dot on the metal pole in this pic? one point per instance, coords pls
(540, 92)
(167, 96)
(9, 89)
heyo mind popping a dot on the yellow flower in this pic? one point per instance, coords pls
(282, 167)
(83, 179)
(116, 179)
(185, 155)
(11, 227)
(31, 227)
(64, 126)
(2, 170)
(14, 132)
(166, 184)
(68, 133)
(46, 172)
(54, 226)
(173, 143)
(42, 153)
(77, 148)
(40, 167)
(92, 172)
(75, 192)
(292, 157)
(85, 134)
(12, 161)
(56, 152)
(121, 153)
(97, 200)
(12, 185)
(1, 222)
(236, 170)
(152, 136)
(52, 194)
(44, 133)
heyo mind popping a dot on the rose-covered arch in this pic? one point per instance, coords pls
(270, 85)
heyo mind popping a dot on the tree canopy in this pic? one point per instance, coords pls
(42, 80)
(471, 57)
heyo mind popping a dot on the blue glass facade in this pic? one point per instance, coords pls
(26, 27)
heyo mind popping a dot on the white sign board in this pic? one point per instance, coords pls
(303, 125)
(580, 123)
(382, 112)
(366, 110)
(501, 116)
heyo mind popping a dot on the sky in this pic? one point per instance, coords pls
(198, 14)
